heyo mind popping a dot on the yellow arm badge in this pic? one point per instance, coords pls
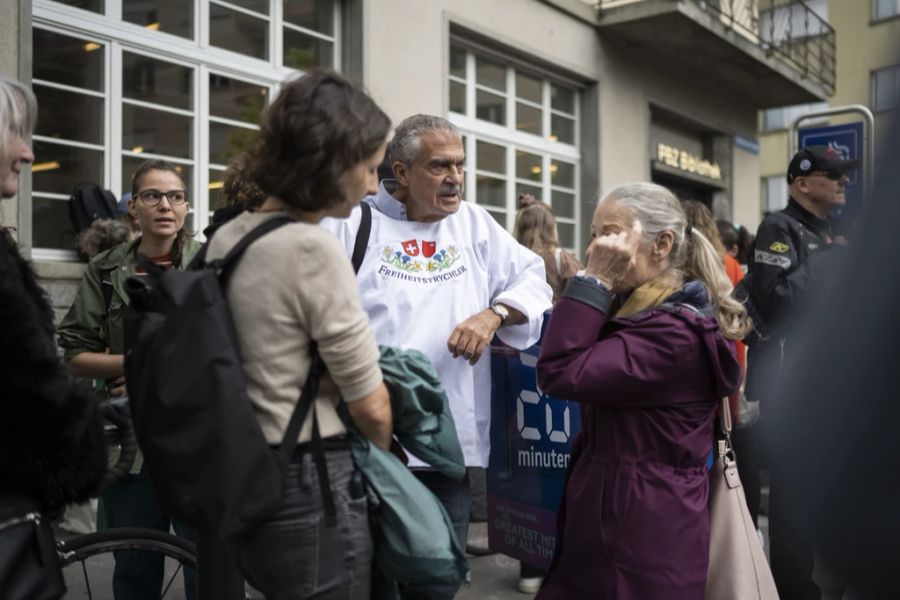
(779, 247)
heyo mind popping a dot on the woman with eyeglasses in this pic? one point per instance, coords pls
(91, 334)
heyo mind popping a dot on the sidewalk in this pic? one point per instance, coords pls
(495, 576)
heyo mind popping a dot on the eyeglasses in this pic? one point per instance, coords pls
(154, 197)
(832, 174)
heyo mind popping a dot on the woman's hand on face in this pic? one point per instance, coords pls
(611, 257)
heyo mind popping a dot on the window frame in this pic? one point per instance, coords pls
(205, 131)
(878, 19)
(118, 36)
(873, 88)
(56, 254)
(511, 138)
(788, 113)
(767, 206)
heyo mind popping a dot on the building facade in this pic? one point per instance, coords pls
(868, 74)
(559, 98)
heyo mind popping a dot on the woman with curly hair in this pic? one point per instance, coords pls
(294, 295)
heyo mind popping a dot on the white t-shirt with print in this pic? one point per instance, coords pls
(418, 281)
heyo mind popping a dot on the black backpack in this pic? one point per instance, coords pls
(210, 464)
(90, 202)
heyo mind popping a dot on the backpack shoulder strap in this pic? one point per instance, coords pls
(304, 404)
(292, 432)
(226, 264)
(362, 236)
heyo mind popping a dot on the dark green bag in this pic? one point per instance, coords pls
(412, 534)
(422, 420)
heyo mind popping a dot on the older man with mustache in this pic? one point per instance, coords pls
(442, 276)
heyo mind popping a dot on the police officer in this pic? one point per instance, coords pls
(795, 250)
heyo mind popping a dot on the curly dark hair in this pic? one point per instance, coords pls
(102, 235)
(239, 189)
(319, 126)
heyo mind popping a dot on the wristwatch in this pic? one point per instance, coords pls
(501, 311)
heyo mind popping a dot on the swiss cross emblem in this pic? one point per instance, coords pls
(411, 247)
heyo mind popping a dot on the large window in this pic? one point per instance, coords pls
(886, 88)
(774, 193)
(885, 9)
(170, 16)
(234, 108)
(97, 6)
(69, 80)
(157, 117)
(309, 30)
(521, 130)
(122, 81)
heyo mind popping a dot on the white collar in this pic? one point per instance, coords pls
(387, 204)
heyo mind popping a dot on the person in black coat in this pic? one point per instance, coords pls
(835, 409)
(52, 449)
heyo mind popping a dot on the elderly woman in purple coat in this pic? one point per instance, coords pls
(640, 341)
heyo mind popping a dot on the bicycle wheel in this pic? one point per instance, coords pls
(89, 560)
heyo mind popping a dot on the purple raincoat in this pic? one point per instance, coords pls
(634, 519)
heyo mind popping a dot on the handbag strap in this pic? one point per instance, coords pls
(724, 446)
(725, 418)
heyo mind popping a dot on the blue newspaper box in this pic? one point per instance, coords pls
(531, 441)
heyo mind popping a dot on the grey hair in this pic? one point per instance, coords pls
(658, 210)
(18, 111)
(408, 136)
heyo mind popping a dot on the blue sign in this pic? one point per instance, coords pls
(540, 439)
(531, 442)
(747, 144)
(847, 140)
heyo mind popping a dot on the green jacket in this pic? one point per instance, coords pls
(421, 412)
(86, 327)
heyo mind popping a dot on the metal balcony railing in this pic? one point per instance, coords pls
(786, 30)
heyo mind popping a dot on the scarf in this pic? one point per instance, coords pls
(653, 293)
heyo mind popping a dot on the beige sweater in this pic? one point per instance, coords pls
(293, 285)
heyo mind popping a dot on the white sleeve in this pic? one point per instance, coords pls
(518, 280)
(344, 229)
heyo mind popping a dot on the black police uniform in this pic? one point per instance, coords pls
(794, 251)
(790, 255)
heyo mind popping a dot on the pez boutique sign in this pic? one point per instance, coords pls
(681, 160)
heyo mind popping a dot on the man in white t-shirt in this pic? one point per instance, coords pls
(442, 276)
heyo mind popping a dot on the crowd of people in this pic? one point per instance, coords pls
(648, 335)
